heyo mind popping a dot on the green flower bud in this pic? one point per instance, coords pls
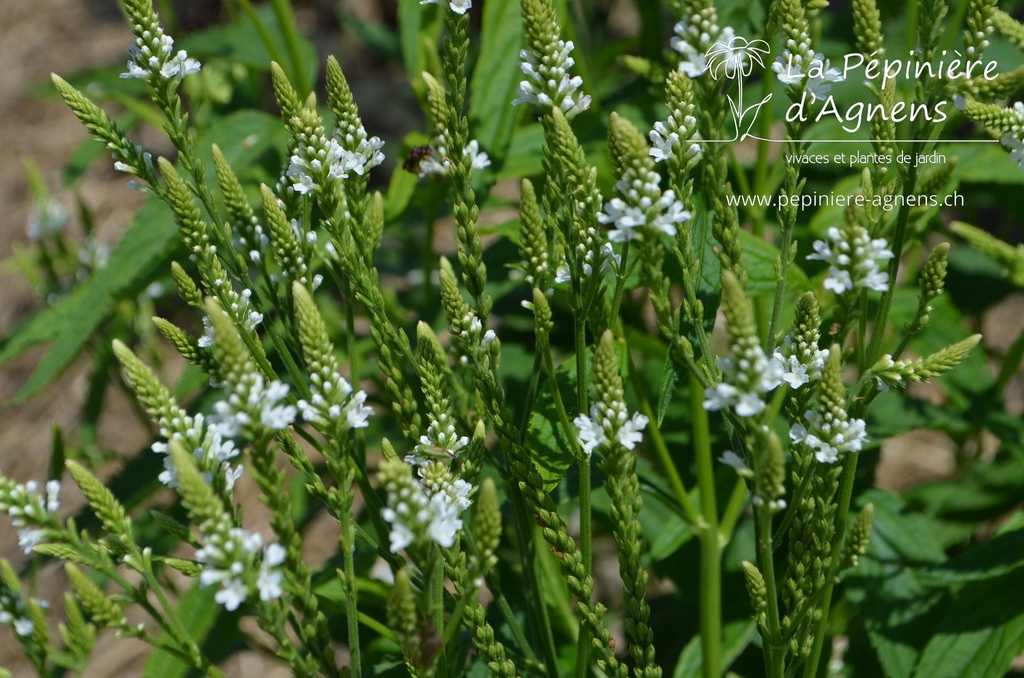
(100, 608)
(187, 289)
(857, 540)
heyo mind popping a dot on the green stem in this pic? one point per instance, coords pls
(711, 548)
(286, 21)
(733, 511)
(689, 513)
(845, 495)
(898, 241)
(765, 553)
(583, 641)
(351, 593)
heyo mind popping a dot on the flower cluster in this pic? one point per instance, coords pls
(234, 560)
(678, 134)
(606, 257)
(437, 162)
(152, 53)
(457, 6)
(810, 68)
(829, 433)
(332, 401)
(362, 153)
(422, 511)
(320, 160)
(211, 446)
(239, 310)
(546, 67)
(1013, 139)
(801, 361)
(695, 35)
(747, 374)
(254, 408)
(13, 611)
(30, 510)
(441, 438)
(853, 259)
(608, 422)
(642, 205)
(48, 217)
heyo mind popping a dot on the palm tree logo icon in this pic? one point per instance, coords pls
(736, 59)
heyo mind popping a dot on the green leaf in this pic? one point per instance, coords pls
(896, 602)
(992, 559)
(758, 259)
(981, 633)
(244, 137)
(415, 22)
(985, 492)
(669, 380)
(549, 447)
(198, 613)
(70, 323)
(495, 78)
(736, 636)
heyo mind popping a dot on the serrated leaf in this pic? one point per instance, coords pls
(70, 323)
(669, 380)
(549, 447)
(897, 605)
(495, 78)
(981, 633)
(992, 559)
(758, 259)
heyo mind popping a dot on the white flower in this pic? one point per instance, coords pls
(548, 83)
(591, 433)
(793, 69)
(829, 435)
(630, 432)
(730, 458)
(800, 363)
(400, 536)
(610, 418)
(357, 414)
(29, 538)
(269, 580)
(457, 6)
(232, 593)
(664, 142)
(48, 217)
(853, 257)
(151, 55)
(23, 627)
(747, 374)
(444, 520)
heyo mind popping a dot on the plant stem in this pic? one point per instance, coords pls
(765, 554)
(898, 241)
(845, 495)
(689, 513)
(710, 546)
(583, 641)
(286, 22)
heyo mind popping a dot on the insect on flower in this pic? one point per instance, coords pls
(416, 155)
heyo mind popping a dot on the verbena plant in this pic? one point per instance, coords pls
(476, 433)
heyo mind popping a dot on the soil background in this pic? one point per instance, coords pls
(38, 37)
